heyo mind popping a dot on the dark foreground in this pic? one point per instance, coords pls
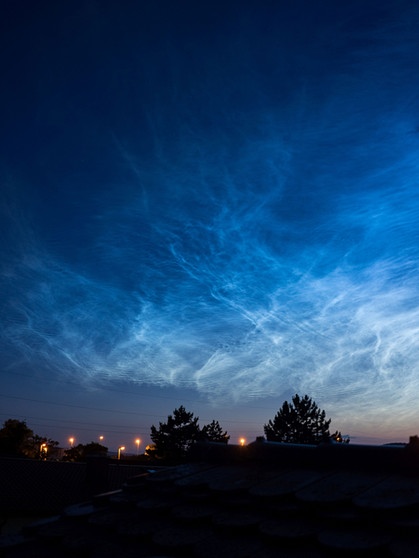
(264, 500)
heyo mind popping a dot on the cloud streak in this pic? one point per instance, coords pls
(253, 235)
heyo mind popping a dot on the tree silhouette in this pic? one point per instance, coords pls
(41, 446)
(339, 439)
(300, 422)
(15, 438)
(214, 433)
(174, 438)
(82, 451)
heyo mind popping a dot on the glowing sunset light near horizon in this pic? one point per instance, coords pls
(213, 205)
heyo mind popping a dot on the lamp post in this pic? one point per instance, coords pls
(101, 438)
(242, 441)
(137, 443)
(43, 451)
(71, 440)
(121, 448)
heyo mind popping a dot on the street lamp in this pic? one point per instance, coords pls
(43, 451)
(242, 441)
(121, 448)
(71, 440)
(101, 438)
(137, 443)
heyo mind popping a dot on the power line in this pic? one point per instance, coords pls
(102, 410)
(105, 428)
(76, 406)
(61, 424)
(125, 392)
(101, 386)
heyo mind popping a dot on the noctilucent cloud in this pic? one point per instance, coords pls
(213, 204)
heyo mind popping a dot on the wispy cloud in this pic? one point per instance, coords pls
(257, 237)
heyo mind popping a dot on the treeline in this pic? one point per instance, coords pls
(300, 421)
(17, 439)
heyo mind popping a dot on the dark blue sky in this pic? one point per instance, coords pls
(212, 204)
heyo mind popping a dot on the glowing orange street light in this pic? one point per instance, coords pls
(101, 438)
(137, 443)
(43, 451)
(121, 448)
(242, 441)
(71, 440)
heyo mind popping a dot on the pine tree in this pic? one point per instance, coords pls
(214, 433)
(174, 438)
(300, 422)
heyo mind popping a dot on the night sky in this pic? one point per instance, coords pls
(209, 203)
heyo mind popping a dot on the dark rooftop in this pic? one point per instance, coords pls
(46, 487)
(263, 500)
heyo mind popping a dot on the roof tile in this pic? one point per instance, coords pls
(263, 500)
